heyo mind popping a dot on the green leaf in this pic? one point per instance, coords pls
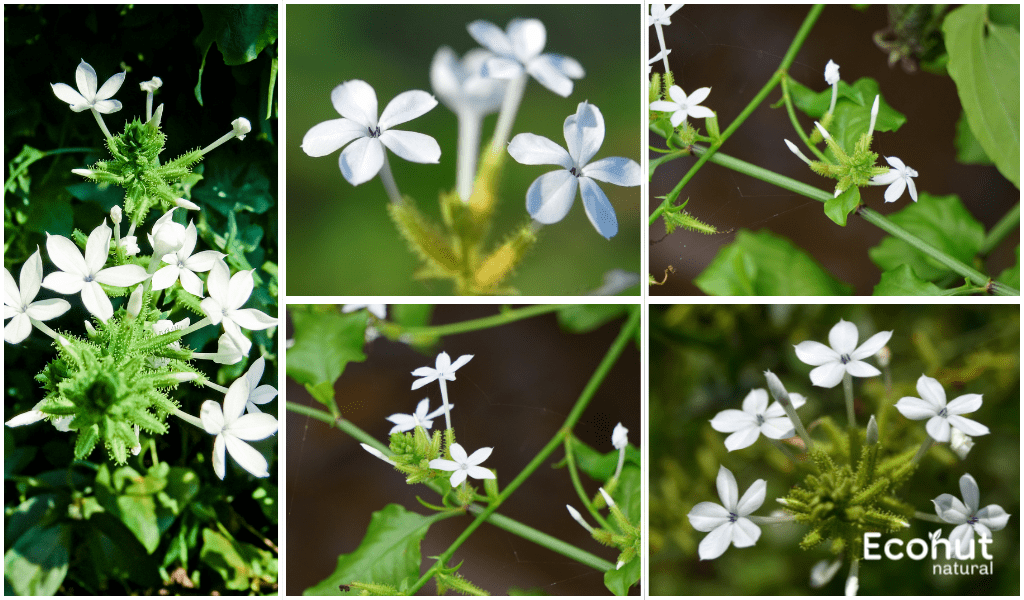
(235, 190)
(902, 281)
(839, 208)
(584, 318)
(237, 563)
(598, 466)
(29, 514)
(390, 553)
(763, 264)
(619, 581)
(852, 114)
(324, 344)
(1011, 276)
(968, 150)
(38, 562)
(984, 62)
(114, 553)
(241, 32)
(941, 221)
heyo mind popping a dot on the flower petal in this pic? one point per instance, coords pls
(828, 375)
(730, 420)
(548, 72)
(107, 106)
(64, 283)
(122, 276)
(424, 380)
(30, 278)
(479, 456)
(26, 418)
(843, 337)
(98, 248)
(716, 543)
(239, 289)
(528, 37)
(965, 404)
(815, 353)
(938, 428)
(498, 67)
(406, 107)
(706, 516)
(44, 310)
(85, 77)
(859, 368)
(110, 86)
(753, 498)
(616, 170)
(968, 426)
(745, 533)
(871, 346)
(895, 189)
(246, 456)
(218, 456)
(458, 477)
(664, 106)
(950, 509)
(931, 391)
(444, 464)
(66, 255)
(755, 402)
(357, 101)
(970, 492)
(458, 453)
(324, 138)
(361, 160)
(490, 36)
(212, 417)
(165, 277)
(480, 473)
(252, 319)
(213, 309)
(459, 362)
(728, 491)
(412, 146)
(217, 283)
(744, 438)
(263, 394)
(699, 95)
(584, 133)
(700, 112)
(550, 196)
(530, 149)
(234, 401)
(599, 209)
(916, 409)
(252, 427)
(96, 301)
(993, 517)
(16, 331)
(68, 94)
(961, 538)
(913, 189)
(190, 282)
(12, 297)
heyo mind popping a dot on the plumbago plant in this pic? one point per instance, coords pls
(113, 382)
(494, 78)
(935, 247)
(844, 486)
(424, 448)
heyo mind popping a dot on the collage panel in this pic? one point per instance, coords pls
(464, 149)
(834, 150)
(802, 449)
(140, 256)
(464, 448)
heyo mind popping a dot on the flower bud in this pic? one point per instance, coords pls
(241, 127)
(821, 129)
(187, 205)
(152, 85)
(619, 437)
(884, 356)
(831, 73)
(872, 434)
(135, 302)
(83, 172)
(579, 518)
(795, 150)
(377, 453)
(777, 389)
(960, 443)
(608, 499)
(115, 215)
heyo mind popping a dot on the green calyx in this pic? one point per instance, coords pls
(135, 166)
(448, 578)
(851, 170)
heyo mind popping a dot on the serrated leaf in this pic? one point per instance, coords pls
(763, 264)
(902, 281)
(389, 553)
(324, 344)
(941, 221)
(984, 62)
(839, 208)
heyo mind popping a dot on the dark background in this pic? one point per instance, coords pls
(513, 395)
(735, 50)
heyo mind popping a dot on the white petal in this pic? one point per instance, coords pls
(894, 191)
(26, 418)
(885, 178)
(968, 426)
(871, 346)
(44, 310)
(458, 453)
(664, 106)
(361, 160)
(700, 112)
(12, 297)
(324, 138)
(490, 36)
(97, 248)
(217, 282)
(203, 261)
(239, 289)
(165, 277)
(859, 368)
(211, 416)
(246, 456)
(122, 276)
(744, 438)
(730, 420)
(412, 146)
(30, 278)
(479, 456)
(444, 464)
(584, 133)
(706, 516)
(190, 282)
(913, 189)
(699, 95)
(66, 255)
(965, 404)
(993, 517)
(85, 77)
(480, 473)
(17, 330)
(753, 498)
(235, 399)
(406, 107)
(915, 409)
(254, 427)
(745, 533)
(970, 492)
(550, 196)
(815, 353)
(458, 477)
(546, 70)
(828, 375)
(96, 301)
(530, 149)
(616, 170)
(497, 67)
(931, 391)
(599, 209)
(755, 402)
(64, 283)
(263, 394)
(252, 319)
(960, 539)
(218, 456)
(110, 86)
(895, 162)
(108, 106)
(213, 309)
(715, 543)
(357, 101)
(68, 94)
(528, 37)
(938, 428)
(843, 337)
(424, 380)
(459, 362)
(728, 491)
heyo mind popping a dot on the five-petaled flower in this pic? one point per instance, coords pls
(20, 305)
(444, 369)
(182, 265)
(941, 416)
(728, 522)
(551, 195)
(224, 305)
(464, 465)
(843, 357)
(84, 274)
(967, 517)
(756, 418)
(898, 178)
(356, 102)
(683, 106)
(518, 51)
(420, 418)
(233, 429)
(661, 15)
(88, 97)
(258, 394)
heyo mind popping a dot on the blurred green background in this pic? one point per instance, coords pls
(341, 240)
(706, 358)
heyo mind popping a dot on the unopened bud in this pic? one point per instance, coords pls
(960, 443)
(241, 127)
(377, 453)
(135, 302)
(872, 434)
(608, 499)
(777, 389)
(152, 85)
(884, 356)
(115, 215)
(821, 129)
(83, 172)
(579, 518)
(187, 205)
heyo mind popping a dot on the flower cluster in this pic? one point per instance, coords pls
(679, 105)
(115, 380)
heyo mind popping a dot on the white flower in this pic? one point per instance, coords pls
(460, 85)
(823, 572)
(166, 326)
(518, 51)
(660, 15)
(183, 265)
(130, 243)
(356, 102)
(85, 273)
(551, 195)
(444, 368)
(683, 106)
(831, 73)
(966, 516)
(960, 442)
(88, 97)
(843, 357)
(224, 305)
(20, 305)
(232, 427)
(259, 394)
(620, 437)
(420, 418)
(240, 127)
(463, 465)
(898, 178)
(932, 406)
(378, 310)
(756, 418)
(728, 523)
(656, 58)
(167, 237)
(228, 352)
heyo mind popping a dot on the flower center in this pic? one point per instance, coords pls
(374, 133)
(942, 413)
(845, 358)
(88, 278)
(732, 517)
(972, 520)
(574, 172)
(760, 419)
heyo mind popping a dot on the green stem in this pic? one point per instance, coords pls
(393, 330)
(545, 540)
(787, 60)
(927, 517)
(570, 461)
(796, 124)
(1001, 229)
(625, 335)
(25, 165)
(783, 449)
